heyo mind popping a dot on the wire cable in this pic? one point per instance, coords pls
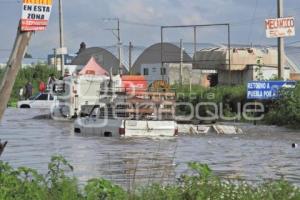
(252, 22)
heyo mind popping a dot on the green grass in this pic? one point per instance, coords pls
(282, 112)
(230, 97)
(59, 184)
(12, 103)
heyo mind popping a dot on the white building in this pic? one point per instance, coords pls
(172, 73)
(246, 64)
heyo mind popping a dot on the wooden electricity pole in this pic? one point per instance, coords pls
(13, 66)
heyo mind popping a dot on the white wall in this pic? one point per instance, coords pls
(154, 72)
(172, 75)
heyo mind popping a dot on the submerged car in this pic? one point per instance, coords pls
(41, 100)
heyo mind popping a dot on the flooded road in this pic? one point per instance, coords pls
(263, 153)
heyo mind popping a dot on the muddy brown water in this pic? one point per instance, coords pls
(264, 152)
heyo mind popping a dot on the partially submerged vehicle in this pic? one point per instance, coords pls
(138, 114)
(40, 101)
(76, 95)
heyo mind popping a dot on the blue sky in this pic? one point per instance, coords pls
(83, 22)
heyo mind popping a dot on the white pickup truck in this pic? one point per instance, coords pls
(41, 101)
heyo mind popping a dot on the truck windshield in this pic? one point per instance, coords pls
(95, 111)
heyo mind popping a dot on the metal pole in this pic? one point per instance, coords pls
(195, 40)
(119, 47)
(130, 57)
(161, 51)
(54, 59)
(181, 62)
(61, 36)
(280, 43)
(229, 53)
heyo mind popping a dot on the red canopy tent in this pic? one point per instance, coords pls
(93, 68)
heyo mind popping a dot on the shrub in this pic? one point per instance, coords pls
(25, 183)
(286, 110)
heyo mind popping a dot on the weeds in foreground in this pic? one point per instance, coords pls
(57, 184)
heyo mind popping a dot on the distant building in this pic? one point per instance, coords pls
(2, 65)
(207, 67)
(102, 56)
(171, 73)
(149, 64)
(246, 64)
(160, 53)
(293, 55)
(55, 60)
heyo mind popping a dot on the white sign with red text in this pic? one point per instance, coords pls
(35, 14)
(280, 27)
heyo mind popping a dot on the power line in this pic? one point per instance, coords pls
(141, 24)
(294, 42)
(9, 1)
(252, 22)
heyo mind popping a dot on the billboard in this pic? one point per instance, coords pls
(35, 14)
(280, 27)
(267, 90)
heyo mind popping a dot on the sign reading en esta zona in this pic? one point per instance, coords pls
(280, 27)
(35, 14)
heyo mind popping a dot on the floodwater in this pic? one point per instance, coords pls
(264, 152)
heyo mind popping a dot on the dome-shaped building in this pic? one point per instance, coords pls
(102, 56)
(152, 55)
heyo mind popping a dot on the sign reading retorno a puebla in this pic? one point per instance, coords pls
(280, 27)
(35, 14)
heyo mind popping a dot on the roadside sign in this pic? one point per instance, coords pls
(35, 14)
(280, 27)
(62, 51)
(267, 90)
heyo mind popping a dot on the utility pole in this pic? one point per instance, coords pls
(119, 48)
(181, 62)
(195, 40)
(280, 43)
(162, 51)
(229, 53)
(118, 36)
(130, 57)
(13, 66)
(54, 59)
(61, 37)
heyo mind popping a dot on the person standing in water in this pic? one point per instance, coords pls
(28, 90)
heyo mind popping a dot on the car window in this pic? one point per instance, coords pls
(51, 98)
(34, 97)
(43, 97)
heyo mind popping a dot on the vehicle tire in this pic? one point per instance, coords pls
(107, 134)
(77, 130)
(25, 106)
